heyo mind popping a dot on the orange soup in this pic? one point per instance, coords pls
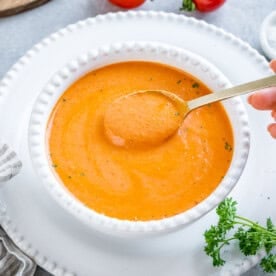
(137, 183)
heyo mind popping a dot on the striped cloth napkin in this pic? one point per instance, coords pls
(12, 261)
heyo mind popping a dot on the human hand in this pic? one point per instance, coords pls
(266, 100)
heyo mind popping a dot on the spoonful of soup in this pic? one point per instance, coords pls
(150, 117)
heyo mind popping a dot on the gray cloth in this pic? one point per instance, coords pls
(12, 261)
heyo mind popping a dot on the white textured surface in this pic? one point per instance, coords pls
(19, 33)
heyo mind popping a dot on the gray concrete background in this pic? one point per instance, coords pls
(20, 32)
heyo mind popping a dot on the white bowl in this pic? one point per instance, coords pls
(126, 51)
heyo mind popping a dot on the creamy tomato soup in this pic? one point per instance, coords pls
(137, 183)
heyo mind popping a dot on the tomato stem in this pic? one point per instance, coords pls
(188, 5)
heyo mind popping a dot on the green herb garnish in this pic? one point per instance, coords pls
(227, 146)
(251, 236)
(195, 85)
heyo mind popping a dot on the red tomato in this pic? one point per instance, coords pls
(127, 4)
(208, 5)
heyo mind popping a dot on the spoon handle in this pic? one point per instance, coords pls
(233, 91)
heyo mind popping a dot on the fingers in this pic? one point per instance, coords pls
(272, 127)
(264, 100)
(273, 65)
(272, 130)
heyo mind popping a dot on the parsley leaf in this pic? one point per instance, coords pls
(250, 236)
(195, 85)
(268, 263)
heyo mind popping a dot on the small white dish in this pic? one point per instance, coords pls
(268, 35)
(126, 51)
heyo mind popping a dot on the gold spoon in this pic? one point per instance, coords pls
(131, 120)
(185, 107)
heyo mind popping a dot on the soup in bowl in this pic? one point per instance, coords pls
(122, 186)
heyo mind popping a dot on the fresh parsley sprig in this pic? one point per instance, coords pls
(250, 235)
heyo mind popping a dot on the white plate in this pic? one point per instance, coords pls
(57, 241)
